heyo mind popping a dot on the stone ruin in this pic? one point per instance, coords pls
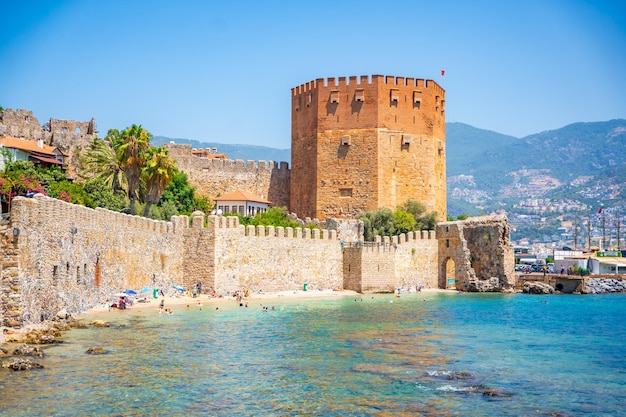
(477, 254)
(69, 136)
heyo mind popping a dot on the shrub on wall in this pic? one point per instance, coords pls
(274, 216)
(411, 216)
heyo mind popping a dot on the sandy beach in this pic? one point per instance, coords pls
(265, 297)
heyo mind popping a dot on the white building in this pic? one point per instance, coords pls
(242, 202)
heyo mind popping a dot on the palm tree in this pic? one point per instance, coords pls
(135, 142)
(101, 159)
(158, 171)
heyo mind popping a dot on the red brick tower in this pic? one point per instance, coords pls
(364, 144)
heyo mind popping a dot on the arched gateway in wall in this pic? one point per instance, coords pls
(476, 253)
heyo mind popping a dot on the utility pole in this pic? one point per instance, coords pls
(575, 236)
(618, 222)
(589, 234)
(603, 231)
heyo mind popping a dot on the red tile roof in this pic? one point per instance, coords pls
(240, 195)
(26, 145)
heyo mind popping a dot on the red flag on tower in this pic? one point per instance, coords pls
(442, 72)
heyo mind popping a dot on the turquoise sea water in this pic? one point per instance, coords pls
(425, 354)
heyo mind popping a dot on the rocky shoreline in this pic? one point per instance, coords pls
(592, 286)
(604, 286)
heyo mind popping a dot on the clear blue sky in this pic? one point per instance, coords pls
(222, 71)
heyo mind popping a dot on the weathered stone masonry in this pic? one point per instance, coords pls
(70, 136)
(391, 262)
(59, 256)
(361, 143)
(481, 251)
(215, 177)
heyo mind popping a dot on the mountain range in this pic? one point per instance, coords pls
(552, 177)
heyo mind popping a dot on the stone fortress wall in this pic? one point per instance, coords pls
(63, 257)
(406, 260)
(59, 256)
(70, 257)
(215, 177)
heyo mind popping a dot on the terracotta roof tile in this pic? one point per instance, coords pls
(26, 145)
(240, 195)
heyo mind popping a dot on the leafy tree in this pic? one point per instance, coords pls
(180, 193)
(403, 221)
(167, 210)
(101, 159)
(19, 178)
(202, 203)
(131, 154)
(377, 223)
(104, 196)
(423, 220)
(158, 171)
(274, 216)
(409, 217)
(71, 192)
(462, 216)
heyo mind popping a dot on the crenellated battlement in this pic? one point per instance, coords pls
(72, 216)
(183, 155)
(366, 80)
(231, 223)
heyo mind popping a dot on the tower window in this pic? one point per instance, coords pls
(359, 95)
(417, 99)
(394, 95)
(334, 96)
(345, 192)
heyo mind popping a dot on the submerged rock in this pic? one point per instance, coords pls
(27, 350)
(76, 324)
(96, 350)
(21, 365)
(450, 375)
(100, 323)
(47, 335)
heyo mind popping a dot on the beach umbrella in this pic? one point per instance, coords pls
(131, 292)
(145, 289)
(179, 288)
